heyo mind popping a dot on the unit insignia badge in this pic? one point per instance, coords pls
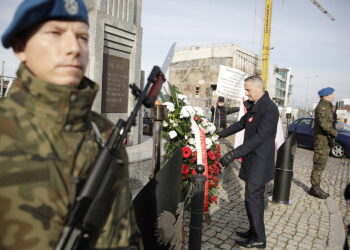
(71, 6)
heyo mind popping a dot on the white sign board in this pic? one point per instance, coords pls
(230, 82)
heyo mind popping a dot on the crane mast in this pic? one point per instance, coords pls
(267, 34)
(266, 45)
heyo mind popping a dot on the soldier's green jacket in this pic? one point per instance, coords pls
(47, 143)
(323, 126)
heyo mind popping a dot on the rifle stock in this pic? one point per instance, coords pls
(93, 204)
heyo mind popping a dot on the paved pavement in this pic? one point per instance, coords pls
(308, 223)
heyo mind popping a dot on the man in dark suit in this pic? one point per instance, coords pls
(258, 152)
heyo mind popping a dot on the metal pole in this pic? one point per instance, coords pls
(197, 203)
(2, 79)
(158, 115)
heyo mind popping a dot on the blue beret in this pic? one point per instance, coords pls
(325, 91)
(34, 12)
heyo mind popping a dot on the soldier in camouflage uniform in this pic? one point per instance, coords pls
(48, 133)
(324, 134)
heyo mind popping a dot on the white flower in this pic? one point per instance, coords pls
(181, 97)
(172, 134)
(165, 124)
(186, 111)
(192, 141)
(170, 106)
(215, 138)
(198, 111)
(208, 142)
(186, 137)
(204, 122)
(208, 127)
(193, 149)
(211, 128)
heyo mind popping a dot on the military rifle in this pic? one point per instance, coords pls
(331, 139)
(335, 115)
(91, 207)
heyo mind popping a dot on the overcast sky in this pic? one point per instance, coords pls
(304, 39)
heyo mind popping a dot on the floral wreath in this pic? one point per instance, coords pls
(178, 133)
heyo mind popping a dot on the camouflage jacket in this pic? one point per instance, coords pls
(47, 143)
(324, 119)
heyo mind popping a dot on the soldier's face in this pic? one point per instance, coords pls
(57, 52)
(329, 98)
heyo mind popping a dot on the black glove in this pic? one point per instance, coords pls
(227, 159)
(218, 134)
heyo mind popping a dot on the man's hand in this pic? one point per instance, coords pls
(218, 134)
(227, 159)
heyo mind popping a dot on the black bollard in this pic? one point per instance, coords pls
(284, 171)
(197, 203)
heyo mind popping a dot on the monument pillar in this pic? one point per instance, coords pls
(115, 57)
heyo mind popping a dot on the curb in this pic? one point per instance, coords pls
(336, 236)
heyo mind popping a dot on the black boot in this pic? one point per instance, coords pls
(315, 191)
(323, 192)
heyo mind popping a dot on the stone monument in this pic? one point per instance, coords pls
(115, 57)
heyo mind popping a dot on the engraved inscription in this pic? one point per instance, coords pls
(115, 84)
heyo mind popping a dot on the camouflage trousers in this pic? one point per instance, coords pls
(321, 152)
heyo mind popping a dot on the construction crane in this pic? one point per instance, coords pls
(267, 33)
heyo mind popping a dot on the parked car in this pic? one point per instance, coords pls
(303, 128)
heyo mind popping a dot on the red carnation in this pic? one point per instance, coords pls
(211, 184)
(195, 118)
(211, 155)
(213, 199)
(186, 152)
(193, 159)
(216, 169)
(215, 179)
(211, 169)
(185, 169)
(194, 171)
(218, 148)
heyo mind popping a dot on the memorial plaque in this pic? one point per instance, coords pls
(115, 84)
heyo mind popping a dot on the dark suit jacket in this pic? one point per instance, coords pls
(258, 149)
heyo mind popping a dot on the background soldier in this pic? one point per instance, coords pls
(48, 133)
(324, 134)
(219, 114)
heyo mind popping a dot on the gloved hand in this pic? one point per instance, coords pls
(227, 159)
(218, 134)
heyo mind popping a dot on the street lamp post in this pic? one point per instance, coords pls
(307, 89)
